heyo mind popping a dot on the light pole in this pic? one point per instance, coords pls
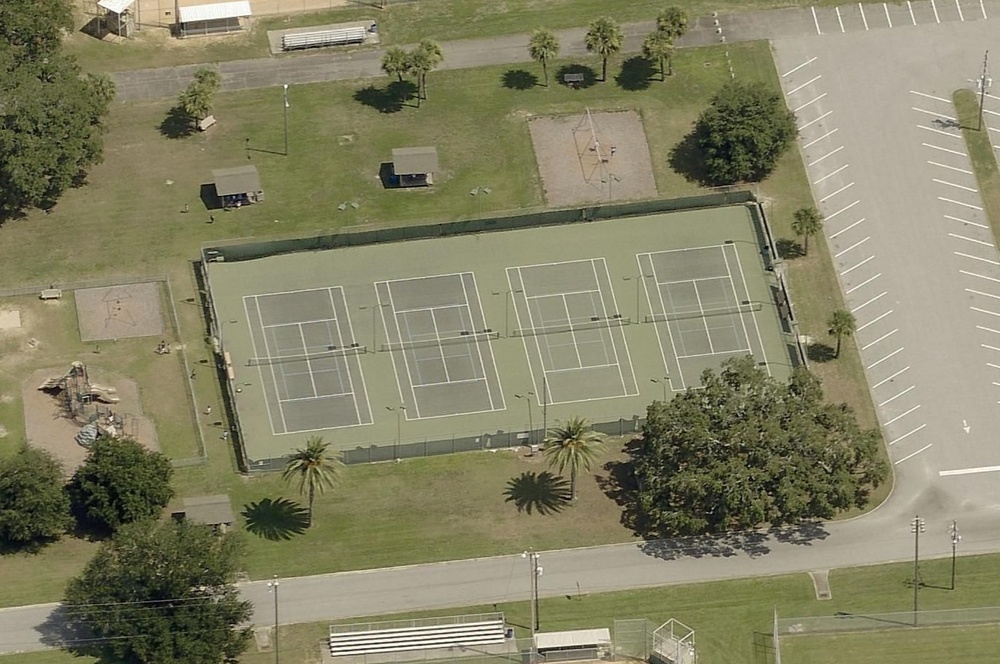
(273, 585)
(545, 407)
(638, 291)
(506, 308)
(916, 527)
(984, 83)
(662, 381)
(399, 410)
(527, 397)
(285, 99)
(535, 571)
(955, 539)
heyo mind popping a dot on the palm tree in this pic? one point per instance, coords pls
(543, 46)
(394, 62)
(315, 468)
(605, 38)
(196, 99)
(421, 60)
(658, 46)
(807, 222)
(673, 22)
(842, 324)
(575, 446)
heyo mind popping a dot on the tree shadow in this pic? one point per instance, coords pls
(588, 73)
(789, 248)
(62, 628)
(636, 74)
(519, 79)
(177, 124)
(820, 352)
(390, 99)
(724, 545)
(544, 492)
(620, 486)
(687, 159)
(276, 520)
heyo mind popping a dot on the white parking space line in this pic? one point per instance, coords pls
(893, 398)
(813, 163)
(863, 283)
(882, 338)
(969, 471)
(902, 415)
(853, 246)
(839, 20)
(809, 82)
(848, 270)
(980, 276)
(842, 189)
(870, 366)
(989, 329)
(989, 112)
(993, 366)
(928, 145)
(844, 230)
(985, 311)
(956, 186)
(965, 221)
(869, 301)
(976, 292)
(970, 239)
(937, 131)
(865, 20)
(808, 103)
(976, 258)
(908, 433)
(817, 140)
(795, 69)
(816, 21)
(950, 168)
(811, 122)
(910, 7)
(936, 17)
(983, 8)
(830, 175)
(935, 114)
(872, 322)
(924, 94)
(988, 347)
(887, 19)
(886, 380)
(910, 456)
(960, 16)
(968, 205)
(844, 209)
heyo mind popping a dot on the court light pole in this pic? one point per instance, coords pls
(955, 539)
(663, 382)
(285, 99)
(527, 397)
(399, 410)
(916, 527)
(273, 585)
(545, 407)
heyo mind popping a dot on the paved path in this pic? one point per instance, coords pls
(879, 537)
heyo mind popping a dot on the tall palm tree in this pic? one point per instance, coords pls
(421, 60)
(315, 468)
(543, 46)
(394, 62)
(605, 38)
(807, 222)
(842, 324)
(573, 446)
(659, 47)
(673, 22)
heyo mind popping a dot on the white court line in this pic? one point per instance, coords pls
(795, 69)
(910, 7)
(813, 163)
(968, 205)
(839, 20)
(828, 218)
(899, 350)
(910, 456)
(842, 189)
(960, 16)
(936, 17)
(857, 266)
(875, 320)
(863, 283)
(970, 239)
(965, 221)
(908, 433)
(956, 186)
(928, 145)
(859, 307)
(817, 140)
(882, 338)
(975, 258)
(938, 131)
(891, 399)
(975, 292)
(886, 380)
(862, 10)
(983, 8)
(830, 175)
(988, 329)
(981, 276)
(886, 8)
(923, 94)
(950, 168)
(844, 230)
(816, 21)
(988, 347)
(811, 122)
(902, 415)
(935, 114)
(853, 246)
(809, 82)
(810, 102)
(969, 471)
(985, 311)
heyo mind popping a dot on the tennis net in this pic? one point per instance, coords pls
(573, 327)
(353, 349)
(463, 338)
(705, 313)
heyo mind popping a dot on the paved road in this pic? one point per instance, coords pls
(908, 228)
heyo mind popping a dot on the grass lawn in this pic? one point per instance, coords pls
(128, 220)
(969, 645)
(981, 154)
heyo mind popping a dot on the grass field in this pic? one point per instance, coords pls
(969, 645)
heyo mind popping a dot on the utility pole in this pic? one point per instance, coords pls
(916, 527)
(955, 539)
(984, 83)
(545, 407)
(286, 117)
(535, 571)
(273, 585)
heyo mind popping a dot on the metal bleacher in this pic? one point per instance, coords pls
(339, 37)
(422, 634)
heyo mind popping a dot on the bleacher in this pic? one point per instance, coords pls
(423, 634)
(338, 37)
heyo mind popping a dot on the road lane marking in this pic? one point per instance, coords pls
(981, 276)
(886, 380)
(839, 20)
(934, 113)
(908, 433)
(875, 320)
(987, 329)
(811, 122)
(792, 71)
(853, 246)
(902, 415)
(960, 16)
(968, 205)
(844, 209)
(983, 8)
(950, 168)
(975, 292)
(976, 258)
(936, 17)
(937, 147)
(862, 10)
(882, 338)
(844, 230)
(887, 19)
(891, 399)
(830, 175)
(988, 347)
(957, 186)
(991, 365)
(863, 283)
(859, 307)
(910, 456)
(938, 131)
(910, 7)
(810, 102)
(825, 156)
(985, 311)
(923, 94)
(842, 189)
(816, 21)
(850, 269)
(870, 366)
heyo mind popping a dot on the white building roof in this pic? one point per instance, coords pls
(580, 638)
(214, 12)
(116, 6)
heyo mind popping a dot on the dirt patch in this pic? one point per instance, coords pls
(49, 428)
(593, 158)
(119, 312)
(10, 319)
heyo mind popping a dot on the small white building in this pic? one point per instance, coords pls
(214, 19)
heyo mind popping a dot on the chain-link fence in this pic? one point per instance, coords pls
(846, 621)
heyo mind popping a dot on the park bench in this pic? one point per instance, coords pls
(50, 294)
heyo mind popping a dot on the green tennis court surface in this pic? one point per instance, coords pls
(480, 340)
